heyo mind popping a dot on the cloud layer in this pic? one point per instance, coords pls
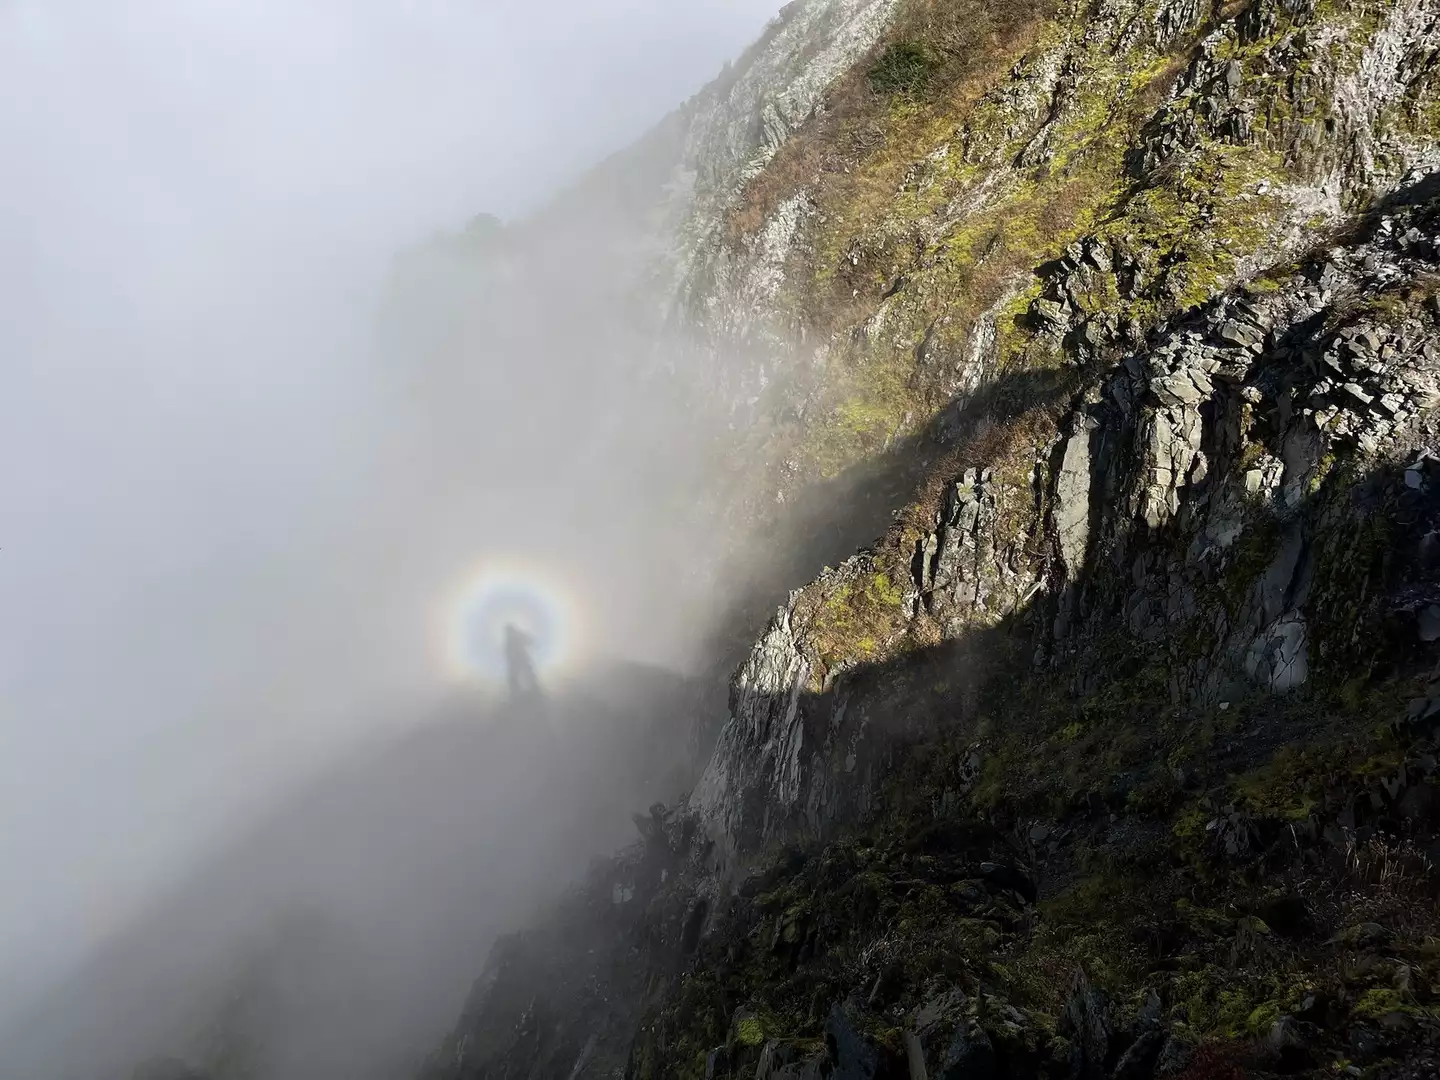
(222, 535)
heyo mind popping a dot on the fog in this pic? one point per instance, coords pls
(240, 496)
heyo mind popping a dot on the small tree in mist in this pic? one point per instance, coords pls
(905, 67)
(484, 232)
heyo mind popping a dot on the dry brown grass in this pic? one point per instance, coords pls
(972, 40)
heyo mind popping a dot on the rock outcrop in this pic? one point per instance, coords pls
(1215, 498)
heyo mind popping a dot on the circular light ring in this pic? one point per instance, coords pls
(502, 593)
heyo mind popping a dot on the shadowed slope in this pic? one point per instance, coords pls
(335, 938)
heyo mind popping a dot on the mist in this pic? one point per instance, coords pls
(258, 431)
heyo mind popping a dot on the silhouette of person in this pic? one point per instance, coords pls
(519, 667)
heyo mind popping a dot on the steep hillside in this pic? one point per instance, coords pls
(1115, 755)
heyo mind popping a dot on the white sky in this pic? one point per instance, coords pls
(196, 197)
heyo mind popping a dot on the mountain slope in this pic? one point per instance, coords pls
(1114, 755)
(335, 936)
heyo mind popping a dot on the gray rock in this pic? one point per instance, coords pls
(586, 1054)
(1242, 335)
(1169, 440)
(915, 1057)
(756, 767)
(1286, 1034)
(1087, 1016)
(851, 1056)
(1278, 659)
(784, 1061)
(1358, 392)
(969, 1056)
(1050, 313)
(1175, 1056)
(1178, 389)
(1072, 501)
(1138, 1060)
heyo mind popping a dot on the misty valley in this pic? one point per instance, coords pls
(915, 556)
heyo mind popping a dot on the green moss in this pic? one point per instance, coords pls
(873, 402)
(1190, 825)
(1091, 901)
(1383, 1004)
(1216, 1002)
(855, 619)
(1262, 1018)
(750, 1031)
(1286, 789)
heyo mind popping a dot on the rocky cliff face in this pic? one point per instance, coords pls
(1103, 445)
(1238, 504)
(1115, 755)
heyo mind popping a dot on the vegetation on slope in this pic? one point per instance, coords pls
(1116, 755)
(983, 139)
